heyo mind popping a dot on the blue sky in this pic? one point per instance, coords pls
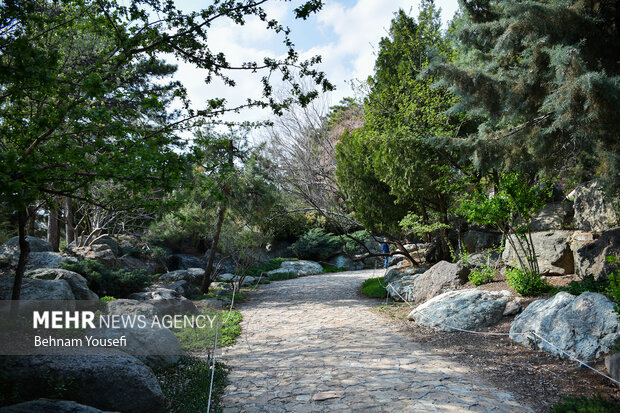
(345, 33)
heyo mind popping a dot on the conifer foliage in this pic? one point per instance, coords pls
(545, 77)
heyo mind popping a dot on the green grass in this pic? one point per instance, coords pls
(282, 276)
(186, 385)
(203, 338)
(373, 287)
(585, 405)
(332, 268)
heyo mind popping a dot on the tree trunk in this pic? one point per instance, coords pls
(24, 249)
(31, 214)
(53, 229)
(70, 236)
(206, 281)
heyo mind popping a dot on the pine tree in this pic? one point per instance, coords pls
(545, 76)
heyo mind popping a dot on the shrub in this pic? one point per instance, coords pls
(351, 247)
(373, 287)
(316, 244)
(585, 405)
(106, 281)
(479, 276)
(587, 284)
(613, 285)
(282, 276)
(273, 264)
(527, 283)
(332, 268)
(186, 385)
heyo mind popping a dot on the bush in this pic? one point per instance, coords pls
(613, 285)
(351, 247)
(332, 268)
(273, 264)
(373, 287)
(479, 276)
(282, 276)
(316, 245)
(186, 385)
(106, 281)
(527, 283)
(585, 285)
(585, 405)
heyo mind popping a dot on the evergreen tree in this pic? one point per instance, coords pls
(404, 141)
(545, 77)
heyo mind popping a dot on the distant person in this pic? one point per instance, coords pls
(386, 250)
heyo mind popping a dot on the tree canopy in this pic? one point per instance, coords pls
(544, 77)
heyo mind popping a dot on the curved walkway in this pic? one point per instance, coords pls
(311, 345)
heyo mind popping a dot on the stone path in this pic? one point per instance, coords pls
(313, 338)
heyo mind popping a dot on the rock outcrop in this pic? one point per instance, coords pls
(591, 258)
(37, 289)
(157, 347)
(418, 288)
(49, 406)
(465, 309)
(593, 212)
(299, 268)
(114, 381)
(167, 302)
(77, 283)
(585, 326)
(552, 250)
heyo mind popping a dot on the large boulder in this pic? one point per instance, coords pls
(612, 364)
(490, 258)
(157, 347)
(167, 302)
(441, 277)
(77, 283)
(37, 289)
(41, 254)
(36, 245)
(477, 240)
(344, 262)
(184, 288)
(186, 261)
(46, 260)
(593, 211)
(466, 309)
(112, 381)
(402, 288)
(49, 406)
(552, 250)
(395, 274)
(553, 216)
(585, 326)
(132, 263)
(300, 268)
(110, 243)
(414, 287)
(98, 252)
(131, 307)
(191, 275)
(591, 258)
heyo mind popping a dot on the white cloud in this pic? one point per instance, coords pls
(345, 36)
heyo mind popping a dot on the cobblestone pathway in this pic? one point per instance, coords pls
(312, 345)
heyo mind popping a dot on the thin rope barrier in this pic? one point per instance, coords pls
(572, 357)
(213, 367)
